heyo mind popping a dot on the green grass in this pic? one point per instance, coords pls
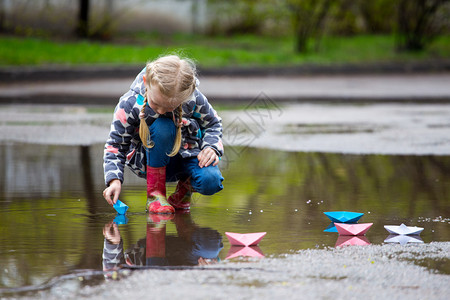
(246, 50)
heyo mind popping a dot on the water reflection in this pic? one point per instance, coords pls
(331, 228)
(120, 219)
(403, 239)
(347, 240)
(192, 245)
(244, 251)
(51, 207)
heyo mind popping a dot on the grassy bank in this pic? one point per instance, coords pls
(213, 51)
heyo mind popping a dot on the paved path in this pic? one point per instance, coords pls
(354, 272)
(418, 87)
(373, 128)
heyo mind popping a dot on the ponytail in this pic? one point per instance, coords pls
(178, 124)
(144, 132)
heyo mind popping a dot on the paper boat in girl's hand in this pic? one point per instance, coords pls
(252, 251)
(403, 229)
(345, 240)
(352, 229)
(343, 216)
(403, 239)
(120, 207)
(245, 239)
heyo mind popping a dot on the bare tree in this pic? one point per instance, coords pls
(308, 18)
(82, 29)
(2, 15)
(378, 16)
(416, 23)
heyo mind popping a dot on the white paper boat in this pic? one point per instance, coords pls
(403, 239)
(403, 229)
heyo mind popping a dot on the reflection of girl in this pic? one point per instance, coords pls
(164, 129)
(193, 245)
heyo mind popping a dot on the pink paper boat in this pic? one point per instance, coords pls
(347, 240)
(352, 229)
(245, 239)
(252, 251)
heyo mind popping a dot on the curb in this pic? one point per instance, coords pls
(106, 100)
(441, 66)
(52, 73)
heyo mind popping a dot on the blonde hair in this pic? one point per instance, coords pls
(175, 79)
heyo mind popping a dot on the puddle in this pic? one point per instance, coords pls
(53, 216)
(328, 128)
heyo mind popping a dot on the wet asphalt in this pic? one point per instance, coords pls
(356, 272)
(425, 87)
(390, 114)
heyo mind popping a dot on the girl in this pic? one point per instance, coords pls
(164, 129)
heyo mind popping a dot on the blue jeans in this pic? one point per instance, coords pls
(206, 180)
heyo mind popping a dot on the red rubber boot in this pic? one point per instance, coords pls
(156, 191)
(181, 198)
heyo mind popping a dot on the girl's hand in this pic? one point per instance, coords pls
(112, 192)
(207, 156)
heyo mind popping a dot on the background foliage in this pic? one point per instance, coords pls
(415, 23)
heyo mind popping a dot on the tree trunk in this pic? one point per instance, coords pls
(2, 15)
(309, 17)
(415, 23)
(83, 19)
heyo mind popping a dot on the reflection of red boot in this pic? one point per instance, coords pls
(159, 218)
(155, 251)
(156, 191)
(181, 198)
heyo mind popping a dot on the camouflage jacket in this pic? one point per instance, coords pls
(202, 127)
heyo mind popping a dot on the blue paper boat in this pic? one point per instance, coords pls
(343, 216)
(120, 207)
(120, 219)
(331, 228)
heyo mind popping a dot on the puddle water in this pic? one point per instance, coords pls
(53, 216)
